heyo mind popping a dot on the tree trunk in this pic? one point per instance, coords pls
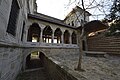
(79, 67)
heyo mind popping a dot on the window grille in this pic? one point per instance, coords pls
(13, 18)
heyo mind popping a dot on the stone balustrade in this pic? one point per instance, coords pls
(47, 45)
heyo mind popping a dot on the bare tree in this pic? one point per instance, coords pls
(79, 67)
(101, 6)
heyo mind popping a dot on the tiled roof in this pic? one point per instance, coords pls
(77, 8)
(94, 25)
(50, 19)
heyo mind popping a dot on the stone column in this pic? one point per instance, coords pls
(62, 39)
(25, 36)
(53, 37)
(41, 33)
(58, 39)
(70, 39)
(78, 37)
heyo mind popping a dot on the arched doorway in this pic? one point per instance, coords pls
(66, 37)
(34, 60)
(34, 33)
(74, 38)
(47, 34)
(57, 36)
(83, 45)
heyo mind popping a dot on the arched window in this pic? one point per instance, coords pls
(47, 34)
(74, 38)
(34, 33)
(72, 23)
(66, 37)
(57, 35)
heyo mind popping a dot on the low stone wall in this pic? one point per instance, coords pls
(57, 71)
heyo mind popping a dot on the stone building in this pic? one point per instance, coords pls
(75, 17)
(23, 30)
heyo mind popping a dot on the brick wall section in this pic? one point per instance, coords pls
(111, 45)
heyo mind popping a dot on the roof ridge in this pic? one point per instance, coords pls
(47, 16)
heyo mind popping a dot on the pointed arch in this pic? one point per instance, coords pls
(74, 38)
(66, 37)
(34, 33)
(47, 34)
(57, 36)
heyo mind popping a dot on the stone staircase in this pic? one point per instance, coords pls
(111, 45)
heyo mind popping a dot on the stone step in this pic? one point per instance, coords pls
(95, 53)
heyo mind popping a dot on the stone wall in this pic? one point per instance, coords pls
(111, 45)
(5, 6)
(10, 62)
(54, 61)
(56, 71)
(75, 17)
(11, 56)
(50, 52)
(5, 9)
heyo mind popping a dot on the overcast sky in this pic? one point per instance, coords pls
(54, 8)
(59, 9)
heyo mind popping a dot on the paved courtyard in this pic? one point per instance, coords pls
(96, 68)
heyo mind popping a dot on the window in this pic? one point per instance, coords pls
(72, 23)
(23, 31)
(0, 1)
(85, 22)
(83, 45)
(66, 37)
(82, 21)
(13, 18)
(74, 38)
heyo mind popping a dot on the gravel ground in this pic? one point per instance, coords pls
(96, 68)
